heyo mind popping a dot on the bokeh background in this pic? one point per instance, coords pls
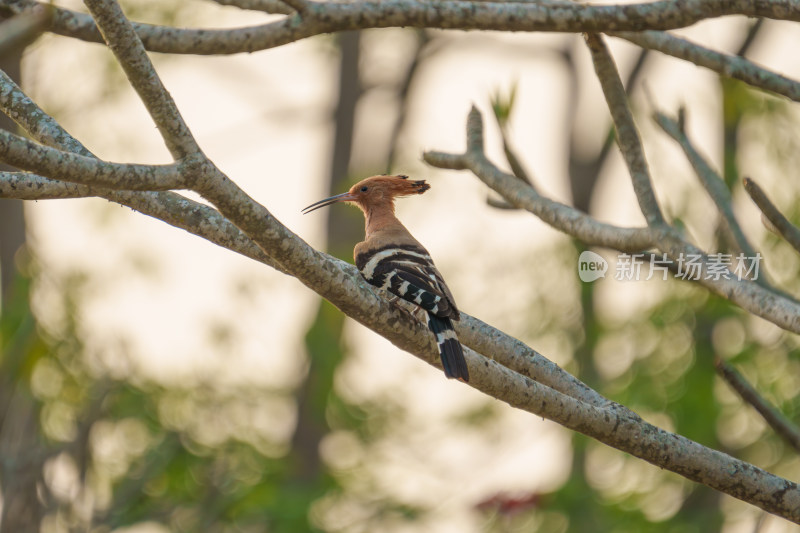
(153, 382)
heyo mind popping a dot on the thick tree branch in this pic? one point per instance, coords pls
(41, 126)
(725, 64)
(328, 17)
(28, 155)
(210, 225)
(521, 358)
(627, 135)
(172, 208)
(27, 186)
(204, 222)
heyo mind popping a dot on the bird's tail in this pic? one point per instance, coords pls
(455, 366)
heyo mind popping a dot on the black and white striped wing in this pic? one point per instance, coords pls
(409, 273)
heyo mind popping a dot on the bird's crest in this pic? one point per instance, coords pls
(388, 186)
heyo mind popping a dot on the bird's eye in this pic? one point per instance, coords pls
(364, 189)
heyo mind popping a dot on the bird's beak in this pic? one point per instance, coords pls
(344, 197)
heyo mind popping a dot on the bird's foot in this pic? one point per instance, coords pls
(413, 311)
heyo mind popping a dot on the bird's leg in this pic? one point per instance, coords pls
(407, 307)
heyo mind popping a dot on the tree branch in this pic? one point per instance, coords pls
(520, 194)
(724, 64)
(172, 208)
(27, 186)
(123, 41)
(766, 303)
(422, 45)
(776, 308)
(521, 358)
(19, 31)
(57, 164)
(786, 229)
(711, 181)
(776, 420)
(329, 17)
(302, 7)
(719, 193)
(627, 135)
(41, 126)
(267, 6)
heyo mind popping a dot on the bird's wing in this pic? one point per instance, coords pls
(409, 272)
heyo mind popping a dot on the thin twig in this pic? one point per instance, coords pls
(718, 191)
(776, 420)
(752, 33)
(786, 229)
(300, 6)
(627, 135)
(514, 163)
(711, 181)
(267, 6)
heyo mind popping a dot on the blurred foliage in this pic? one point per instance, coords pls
(503, 106)
(205, 457)
(199, 458)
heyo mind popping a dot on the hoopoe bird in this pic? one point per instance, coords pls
(392, 259)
